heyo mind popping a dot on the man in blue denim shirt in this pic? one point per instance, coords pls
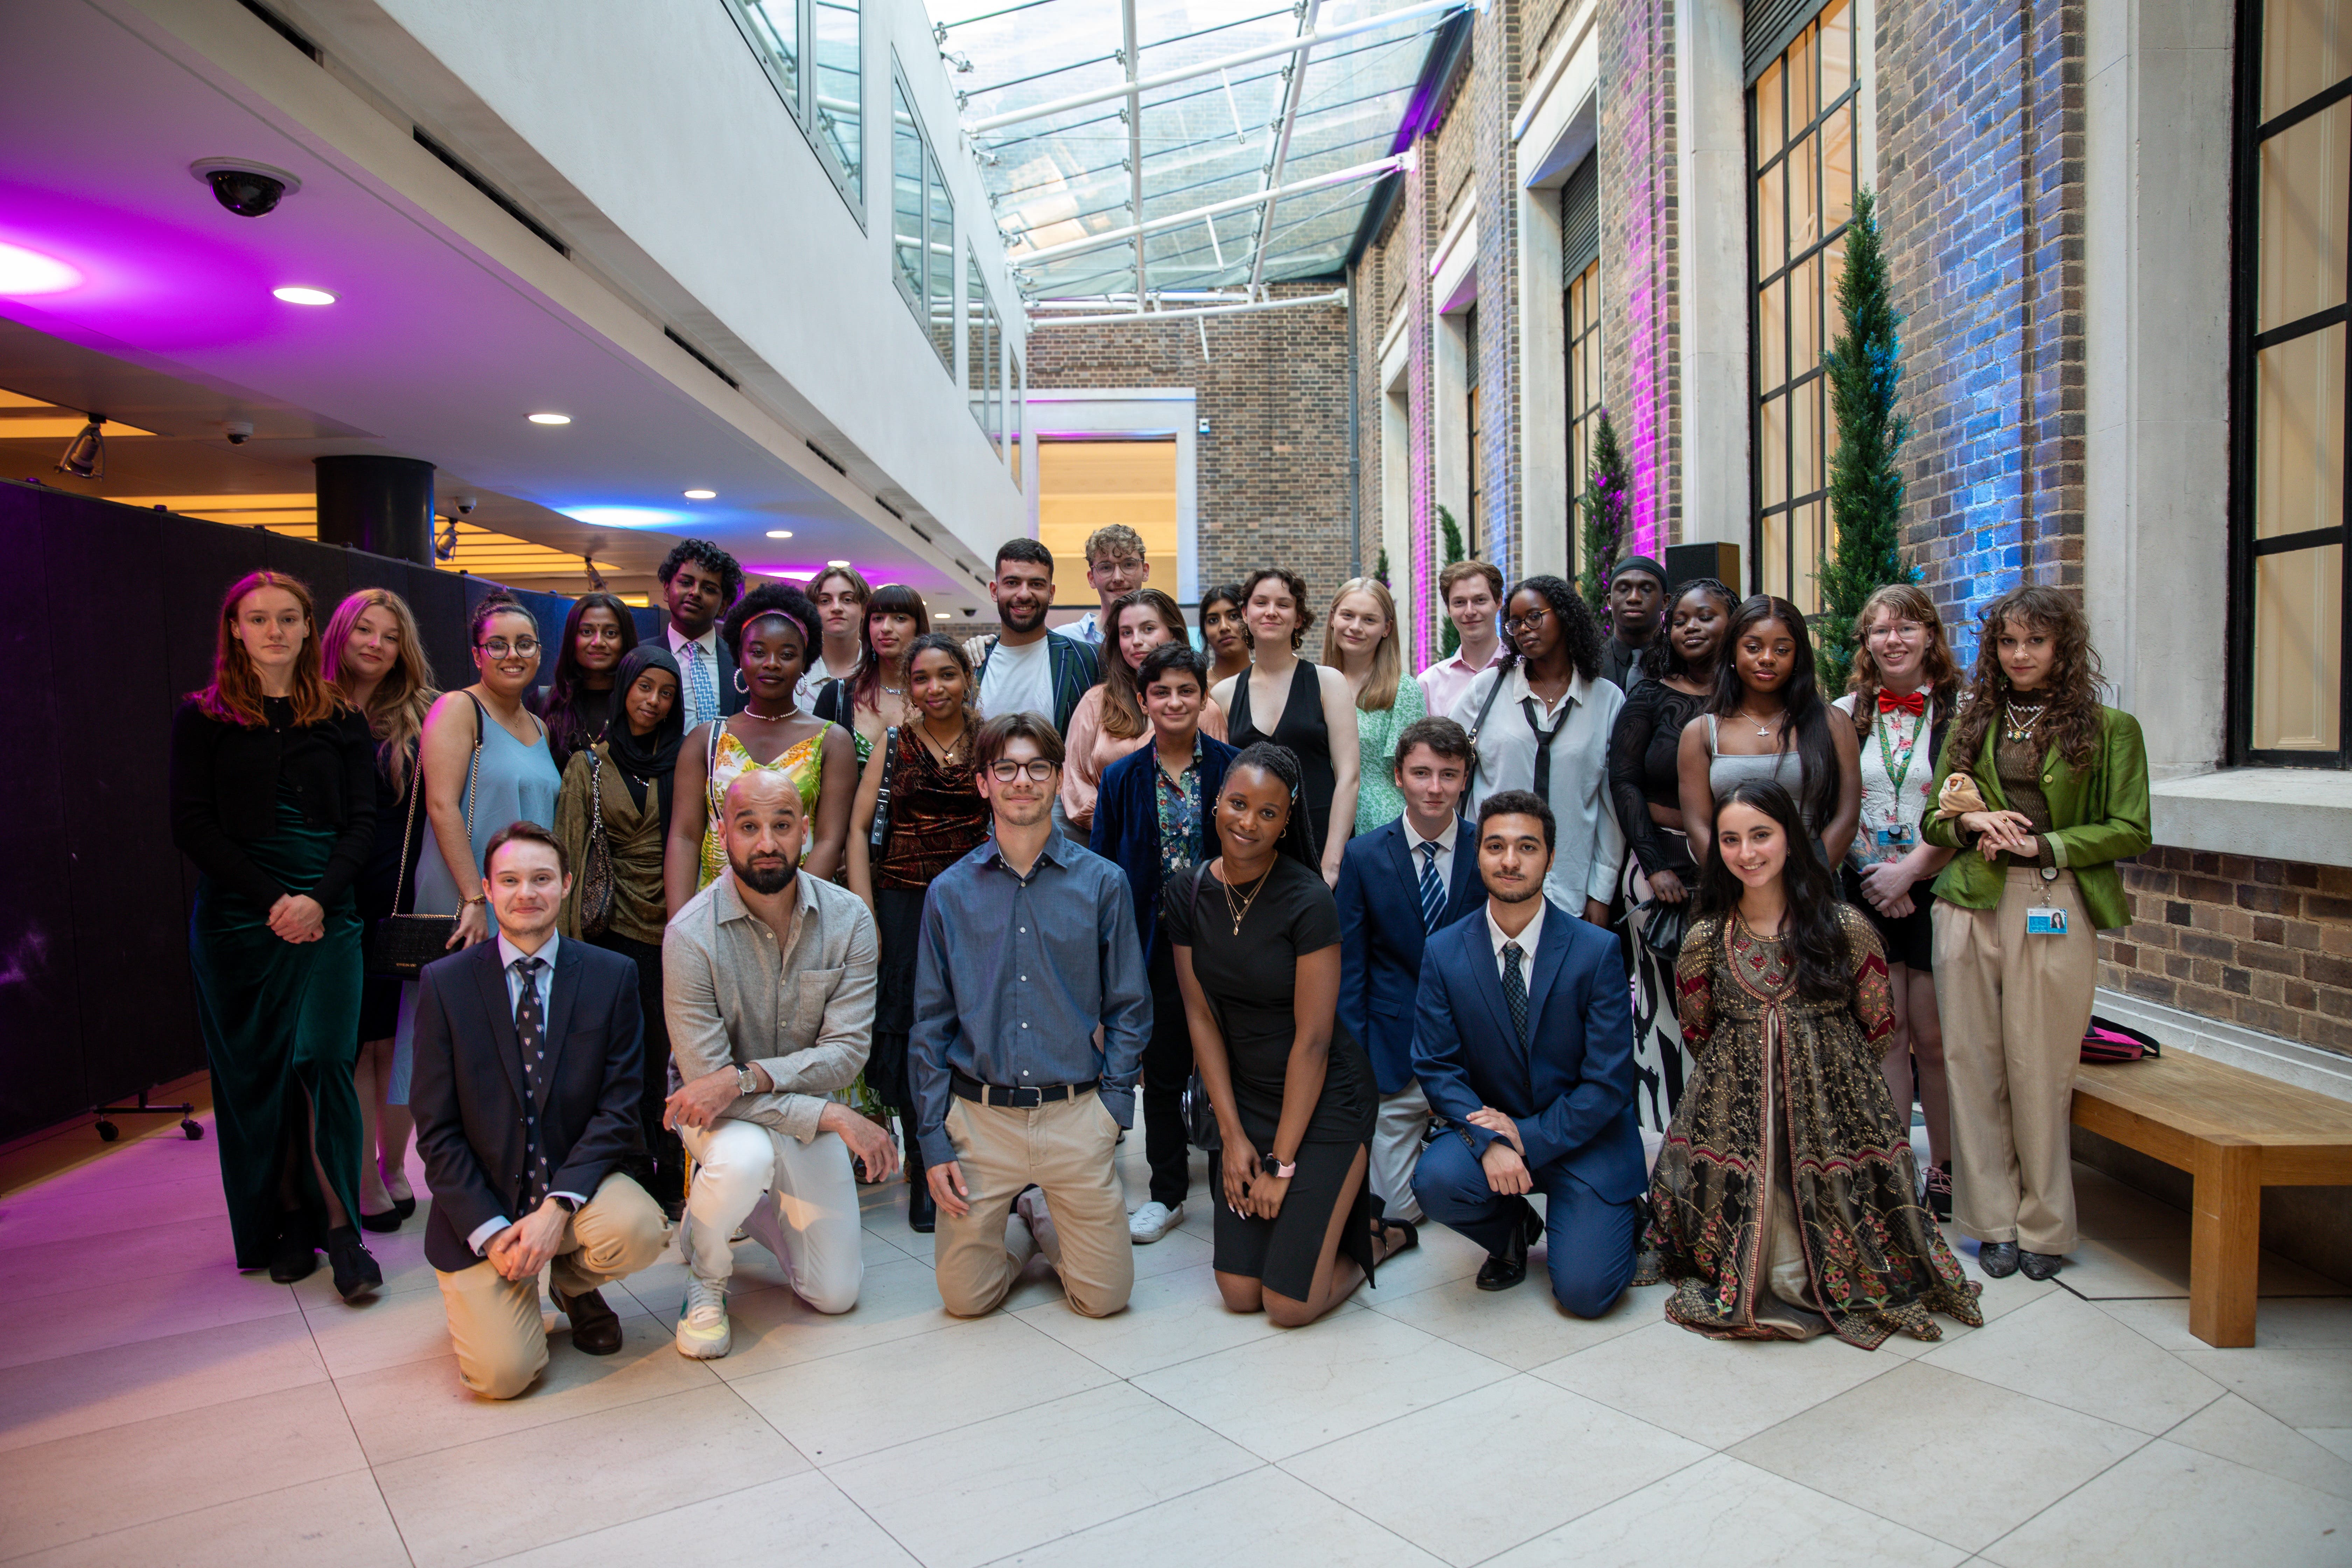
(1028, 950)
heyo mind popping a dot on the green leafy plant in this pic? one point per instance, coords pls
(1863, 365)
(1380, 570)
(1602, 509)
(1448, 637)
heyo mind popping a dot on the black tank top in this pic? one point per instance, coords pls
(1301, 728)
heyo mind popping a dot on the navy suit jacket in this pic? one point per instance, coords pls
(1127, 822)
(467, 1091)
(1380, 939)
(1570, 1090)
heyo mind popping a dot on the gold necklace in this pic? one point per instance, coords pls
(1240, 911)
(2018, 729)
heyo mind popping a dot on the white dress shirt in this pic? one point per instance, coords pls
(1589, 846)
(1086, 628)
(1525, 939)
(812, 681)
(1443, 683)
(1444, 841)
(544, 984)
(709, 646)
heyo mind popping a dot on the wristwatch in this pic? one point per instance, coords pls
(1277, 1169)
(568, 1204)
(744, 1082)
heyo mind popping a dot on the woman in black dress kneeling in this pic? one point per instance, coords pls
(1257, 939)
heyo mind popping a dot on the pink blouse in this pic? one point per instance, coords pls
(1089, 750)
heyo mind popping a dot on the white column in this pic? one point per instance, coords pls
(1711, 166)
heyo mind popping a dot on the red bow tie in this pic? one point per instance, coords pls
(1915, 704)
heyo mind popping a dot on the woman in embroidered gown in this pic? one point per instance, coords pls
(773, 628)
(1784, 1205)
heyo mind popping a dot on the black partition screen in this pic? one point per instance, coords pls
(110, 623)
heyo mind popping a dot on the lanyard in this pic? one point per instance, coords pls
(1887, 760)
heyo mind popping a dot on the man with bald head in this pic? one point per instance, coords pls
(768, 980)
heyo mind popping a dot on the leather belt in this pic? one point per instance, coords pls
(1018, 1099)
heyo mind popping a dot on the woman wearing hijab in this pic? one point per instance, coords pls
(615, 814)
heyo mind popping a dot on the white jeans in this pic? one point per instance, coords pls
(1396, 1149)
(811, 1225)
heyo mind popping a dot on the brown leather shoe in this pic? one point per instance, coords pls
(595, 1328)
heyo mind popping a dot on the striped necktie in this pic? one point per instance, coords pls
(1515, 988)
(1432, 891)
(702, 683)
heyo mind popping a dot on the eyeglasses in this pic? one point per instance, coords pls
(1513, 625)
(1005, 771)
(1125, 565)
(498, 647)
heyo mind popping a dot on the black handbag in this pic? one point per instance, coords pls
(596, 889)
(1662, 927)
(403, 945)
(878, 839)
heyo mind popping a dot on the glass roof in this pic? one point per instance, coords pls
(1064, 176)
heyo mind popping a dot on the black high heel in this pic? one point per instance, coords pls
(381, 1223)
(404, 1207)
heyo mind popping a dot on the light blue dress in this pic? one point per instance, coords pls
(516, 783)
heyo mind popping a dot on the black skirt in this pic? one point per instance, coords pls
(898, 930)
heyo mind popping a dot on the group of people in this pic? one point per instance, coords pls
(1621, 911)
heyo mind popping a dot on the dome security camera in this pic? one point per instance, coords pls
(244, 187)
(239, 432)
(466, 506)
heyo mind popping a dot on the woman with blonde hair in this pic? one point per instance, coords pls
(372, 654)
(1900, 696)
(2048, 788)
(1108, 722)
(272, 798)
(1360, 641)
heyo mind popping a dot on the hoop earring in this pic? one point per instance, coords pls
(741, 685)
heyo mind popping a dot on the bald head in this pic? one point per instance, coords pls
(761, 822)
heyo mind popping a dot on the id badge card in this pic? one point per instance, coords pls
(2045, 922)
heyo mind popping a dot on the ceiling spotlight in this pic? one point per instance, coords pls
(551, 418)
(85, 455)
(779, 534)
(296, 294)
(24, 272)
(702, 495)
(836, 562)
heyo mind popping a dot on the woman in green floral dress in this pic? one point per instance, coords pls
(1360, 641)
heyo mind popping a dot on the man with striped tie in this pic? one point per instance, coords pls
(1400, 884)
(699, 581)
(1523, 1039)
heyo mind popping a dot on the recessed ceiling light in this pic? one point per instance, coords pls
(836, 562)
(702, 495)
(551, 418)
(296, 294)
(779, 534)
(24, 272)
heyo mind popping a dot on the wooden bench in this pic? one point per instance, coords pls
(2235, 1133)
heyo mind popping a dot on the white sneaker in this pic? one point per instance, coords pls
(1152, 1221)
(703, 1332)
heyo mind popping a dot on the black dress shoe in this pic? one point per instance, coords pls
(595, 1327)
(357, 1275)
(293, 1255)
(403, 1207)
(2039, 1265)
(1998, 1259)
(1506, 1268)
(381, 1223)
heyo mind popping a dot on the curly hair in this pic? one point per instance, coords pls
(1815, 925)
(495, 603)
(1662, 658)
(2076, 719)
(771, 599)
(1909, 602)
(710, 558)
(1807, 721)
(1578, 630)
(1296, 584)
(1283, 764)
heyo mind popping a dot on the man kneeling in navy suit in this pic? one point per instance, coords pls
(1524, 1043)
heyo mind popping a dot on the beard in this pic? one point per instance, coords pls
(764, 880)
(1519, 895)
(1020, 619)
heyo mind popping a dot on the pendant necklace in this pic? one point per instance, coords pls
(2022, 721)
(1761, 728)
(1240, 910)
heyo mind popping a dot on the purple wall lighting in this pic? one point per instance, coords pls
(137, 280)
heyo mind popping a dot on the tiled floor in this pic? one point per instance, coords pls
(157, 1408)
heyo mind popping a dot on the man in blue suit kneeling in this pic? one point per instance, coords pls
(1524, 1043)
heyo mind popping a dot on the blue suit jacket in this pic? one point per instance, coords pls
(1127, 823)
(1571, 1090)
(1380, 939)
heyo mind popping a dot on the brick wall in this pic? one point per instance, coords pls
(1272, 470)
(1641, 269)
(2263, 943)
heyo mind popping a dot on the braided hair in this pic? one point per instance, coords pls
(1283, 764)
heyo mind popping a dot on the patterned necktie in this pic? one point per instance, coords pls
(1515, 988)
(1544, 739)
(1433, 892)
(530, 1034)
(703, 683)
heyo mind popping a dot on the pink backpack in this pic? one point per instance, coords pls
(2106, 1043)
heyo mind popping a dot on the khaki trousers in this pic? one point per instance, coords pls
(2014, 1008)
(495, 1324)
(1066, 1149)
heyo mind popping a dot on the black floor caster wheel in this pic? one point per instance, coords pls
(194, 1131)
(108, 1131)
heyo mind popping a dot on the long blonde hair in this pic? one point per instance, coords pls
(1388, 663)
(1123, 718)
(396, 709)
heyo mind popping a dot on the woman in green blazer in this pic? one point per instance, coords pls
(2050, 789)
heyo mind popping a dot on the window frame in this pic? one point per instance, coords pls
(1582, 352)
(2246, 341)
(929, 176)
(983, 333)
(799, 95)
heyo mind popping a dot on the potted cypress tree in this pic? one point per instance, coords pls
(1863, 366)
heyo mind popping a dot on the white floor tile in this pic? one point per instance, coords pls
(124, 1311)
(2337, 1440)
(45, 1400)
(1263, 1516)
(1714, 1391)
(2302, 1387)
(1727, 1514)
(1303, 1387)
(1021, 1479)
(1488, 1469)
(1523, 1327)
(773, 1328)
(1169, 1318)
(2141, 1266)
(2168, 1505)
(340, 1518)
(803, 1519)
(2235, 1430)
(1990, 1459)
(76, 1263)
(2069, 1352)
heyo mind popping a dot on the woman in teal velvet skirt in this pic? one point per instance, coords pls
(273, 799)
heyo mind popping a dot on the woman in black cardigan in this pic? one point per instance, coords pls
(273, 797)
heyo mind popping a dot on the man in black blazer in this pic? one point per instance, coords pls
(526, 1102)
(1398, 884)
(1525, 1044)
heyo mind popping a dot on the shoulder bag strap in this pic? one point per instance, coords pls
(878, 837)
(1476, 724)
(408, 832)
(474, 769)
(711, 770)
